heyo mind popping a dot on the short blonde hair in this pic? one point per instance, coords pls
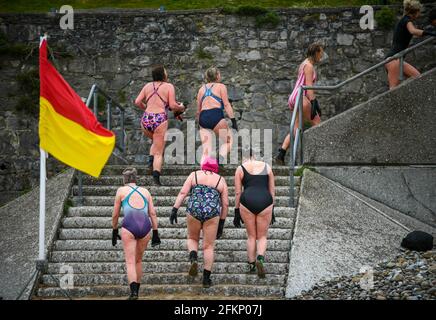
(211, 74)
(129, 175)
(412, 7)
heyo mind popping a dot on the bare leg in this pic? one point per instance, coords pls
(194, 228)
(307, 110)
(140, 248)
(159, 145)
(206, 137)
(250, 226)
(210, 228)
(129, 246)
(410, 71)
(263, 220)
(393, 69)
(225, 134)
(287, 142)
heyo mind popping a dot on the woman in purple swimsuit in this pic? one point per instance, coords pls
(139, 219)
(156, 99)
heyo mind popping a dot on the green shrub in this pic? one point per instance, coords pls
(252, 11)
(385, 18)
(201, 54)
(271, 18)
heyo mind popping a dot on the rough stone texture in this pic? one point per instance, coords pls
(117, 48)
(19, 233)
(336, 234)
(392, 128)
(411, 190)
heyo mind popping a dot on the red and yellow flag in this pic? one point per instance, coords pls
(68, 129)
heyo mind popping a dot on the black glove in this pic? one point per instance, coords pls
(314, 109)
(220, 228)
(115, 236)
(273, 218)
(234, 124)
(237, 219)
(173, 216)
(155, 240)
(429, 33)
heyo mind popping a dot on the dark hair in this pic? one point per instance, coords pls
(211, 74)
(158, 73)
(432, 15)
(313, 49)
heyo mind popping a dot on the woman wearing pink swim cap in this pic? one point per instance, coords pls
(207, 210)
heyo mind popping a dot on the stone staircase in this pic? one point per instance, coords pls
(84, 244)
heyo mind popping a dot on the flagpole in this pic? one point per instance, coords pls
(42, 180)
(41, 262)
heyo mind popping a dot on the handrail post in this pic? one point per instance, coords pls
(402, 68)
(109, 114)
(80, 186)
(95, 103)
(300, 127)
(122, 130)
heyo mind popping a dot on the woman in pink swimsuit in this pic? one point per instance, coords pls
(306, 77)
(156, 99)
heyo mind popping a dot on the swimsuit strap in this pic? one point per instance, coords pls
(245, 170)
(208, 93)
(126, 199)
(196, 182)
(218, 182)
(155, 92)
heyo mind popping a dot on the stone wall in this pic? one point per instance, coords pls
(117, 49)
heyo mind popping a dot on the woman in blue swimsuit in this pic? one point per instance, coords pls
(206, 210)
(212, 100)
(139, 219)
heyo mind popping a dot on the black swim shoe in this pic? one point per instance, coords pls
(150, 164)
(207, 282)
(260, 267)
(193, 270)
(280, 157)
(251, 268)
(156, 178)
(134, 289)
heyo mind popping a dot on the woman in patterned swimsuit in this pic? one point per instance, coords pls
(156, 98)
(207, 210)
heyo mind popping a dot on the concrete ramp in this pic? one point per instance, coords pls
(394, 128)
(338, 231)
(19, 234)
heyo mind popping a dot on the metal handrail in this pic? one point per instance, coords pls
(298, 108)
(93, 97)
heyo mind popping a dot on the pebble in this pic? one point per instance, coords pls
(409, 276)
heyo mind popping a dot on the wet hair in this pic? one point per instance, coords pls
(211, 74)
(412, 7)
(129, 175)
(158, 73)
(432, 15)
(313, 49)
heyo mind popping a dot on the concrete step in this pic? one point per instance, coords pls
(167, 233)
(158, 191)
(152, 256)
(195, 289)
(165, 279)
(167, 201)
(91, 267)
(106, 222)
(117, 180)
(168, 244)
(184, 170)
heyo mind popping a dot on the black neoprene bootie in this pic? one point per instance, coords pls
(134, 289)
(260, 267)
(280, 157)
(156, 177)
(193, 258)
(207, 283)
(251, 268)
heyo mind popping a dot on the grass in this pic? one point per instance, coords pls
(45, 5)
(300, 170)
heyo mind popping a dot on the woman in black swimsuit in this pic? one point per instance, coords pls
(403, 33)
(255, 206)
